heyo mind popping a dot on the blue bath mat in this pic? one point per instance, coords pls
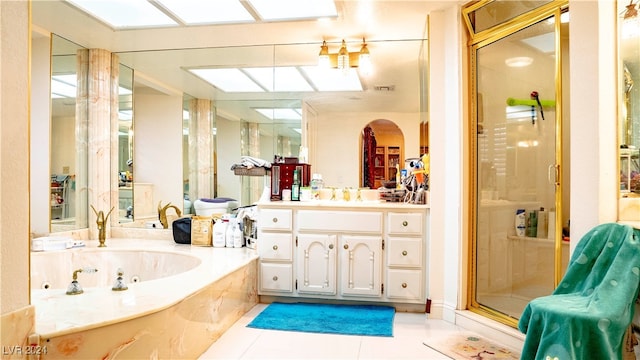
(368, 320)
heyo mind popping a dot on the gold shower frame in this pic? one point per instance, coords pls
(478, 40)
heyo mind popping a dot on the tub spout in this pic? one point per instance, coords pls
(101, 221)
(75, 288)
(162, 213)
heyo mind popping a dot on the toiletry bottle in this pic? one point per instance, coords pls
(543, 223)
(316, 185)
(219, 232)
(520, 222)
(238, 236)
(228, 235)
(295, 187)
(532, 224)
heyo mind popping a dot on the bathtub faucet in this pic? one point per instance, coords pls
(101, 221)
(162, 213)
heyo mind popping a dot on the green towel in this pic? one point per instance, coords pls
(588, 313)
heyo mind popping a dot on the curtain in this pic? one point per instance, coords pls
(368, 154)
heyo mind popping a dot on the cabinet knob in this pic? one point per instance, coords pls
(275, 278)
(330, 246)
(275, 247)
(405, 223)
(275, 220)
(404, 253)
(404, 285)
(346, 246)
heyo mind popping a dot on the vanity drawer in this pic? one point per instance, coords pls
(405, 223)
(404, 284)
(276, 277)
(356, 221)
(404, 252)
(275, 246)
(274, 219)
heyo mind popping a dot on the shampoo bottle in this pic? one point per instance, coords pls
(520, 222)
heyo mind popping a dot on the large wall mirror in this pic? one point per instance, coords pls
(68, 175)
(629, 114)
(261, 122)
(125, 144)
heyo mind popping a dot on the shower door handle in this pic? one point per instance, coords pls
(553, 174)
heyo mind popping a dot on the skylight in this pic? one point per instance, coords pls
(63, 86)
(333, 79)
(125, 13)
(281, 114)
(294, 9)
(208, 12)
(228, 80)
(279, 78)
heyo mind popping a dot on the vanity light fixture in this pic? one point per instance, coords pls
(344, 59)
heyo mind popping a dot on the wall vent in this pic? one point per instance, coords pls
(384, 87)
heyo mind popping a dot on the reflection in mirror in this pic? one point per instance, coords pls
(629, 125)
(125, 144)
(382, 154)
(68, 139)
(261, 122)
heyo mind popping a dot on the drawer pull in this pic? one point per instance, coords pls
(275, 278)
(404, 285)
(330, 246)
(275, 220)
(404, 253)
(405, 223)
(346, 246)
(275, 247)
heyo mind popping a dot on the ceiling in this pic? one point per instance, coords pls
(394, 30)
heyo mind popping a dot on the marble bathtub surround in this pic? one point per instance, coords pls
(178, 316)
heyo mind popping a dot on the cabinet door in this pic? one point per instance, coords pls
(316, 264)
(360, 265)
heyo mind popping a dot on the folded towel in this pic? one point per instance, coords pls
(250, 162)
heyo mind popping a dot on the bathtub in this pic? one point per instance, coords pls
(180, 298)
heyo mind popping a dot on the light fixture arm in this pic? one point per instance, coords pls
(343, 56)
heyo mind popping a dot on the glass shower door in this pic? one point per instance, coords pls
(517, 177)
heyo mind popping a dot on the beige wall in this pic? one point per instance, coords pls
(337, 138)
(14, 167)
(158, 145)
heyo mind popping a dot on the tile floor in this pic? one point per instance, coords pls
(410, 330)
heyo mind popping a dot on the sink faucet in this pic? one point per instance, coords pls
(162, 213)
(346, 194)
(101, 221)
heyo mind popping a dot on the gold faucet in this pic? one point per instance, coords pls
(162, 213)
(346, 194)
(101, 221)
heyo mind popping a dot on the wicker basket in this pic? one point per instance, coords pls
(255, 171)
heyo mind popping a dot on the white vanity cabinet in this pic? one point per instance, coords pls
(405, 254)
(346, 248)
(276, 251)
(343, 252)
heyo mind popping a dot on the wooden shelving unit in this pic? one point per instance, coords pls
(385, 162)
